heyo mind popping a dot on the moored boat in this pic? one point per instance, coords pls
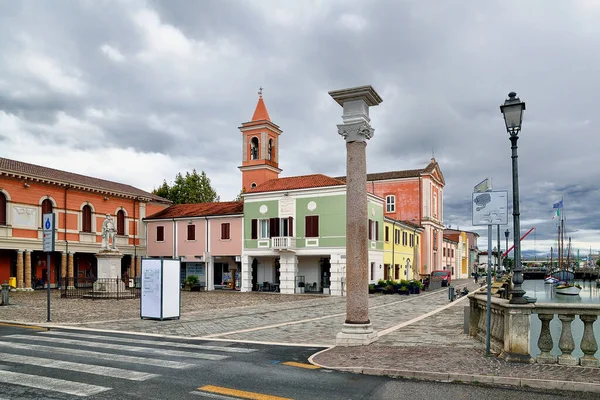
(572, 290)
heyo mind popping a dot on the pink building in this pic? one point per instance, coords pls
(206, 237)
(449, 254)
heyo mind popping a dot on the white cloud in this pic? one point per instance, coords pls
(112, 53)
(352, 22)
(41, 68)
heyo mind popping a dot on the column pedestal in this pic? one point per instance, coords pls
(356, 335)
(109, 273)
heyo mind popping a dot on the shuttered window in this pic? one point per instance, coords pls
(377, 230)
(3, 209)
(86, 218)
(191, 232)
(254, 229)
(225, 231)
(312, 226)
(160, 233)
(120, 222)
(274, 227)
(387, 233)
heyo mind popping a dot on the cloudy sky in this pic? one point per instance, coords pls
(136, 91)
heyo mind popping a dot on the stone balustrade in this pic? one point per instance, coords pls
(510, 326)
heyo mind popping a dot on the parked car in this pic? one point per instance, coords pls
(443, 275)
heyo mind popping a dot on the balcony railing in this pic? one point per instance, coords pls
(284, 243)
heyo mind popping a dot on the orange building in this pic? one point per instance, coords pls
(80, 204)
(260, 148)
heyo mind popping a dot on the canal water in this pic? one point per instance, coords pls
(546, 293)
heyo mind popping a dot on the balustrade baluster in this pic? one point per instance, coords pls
(566, 343)
(589, 346)
(545, 342)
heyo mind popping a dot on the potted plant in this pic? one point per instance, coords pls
(192, 283)
(371, 288)
(403, 289)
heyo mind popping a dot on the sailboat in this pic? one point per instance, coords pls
(567, 285)
(549, 278)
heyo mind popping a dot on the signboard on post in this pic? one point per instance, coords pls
(490, 208)
(483, 186)
(48, 231)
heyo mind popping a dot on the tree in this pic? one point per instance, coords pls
(239, 196)
(188, 189)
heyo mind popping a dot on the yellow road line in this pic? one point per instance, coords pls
(22, 326)
(300, 365)
(239, 393)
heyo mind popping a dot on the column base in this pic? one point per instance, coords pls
(589, 361)
(546, 359)
(24, 290)
(356, 335)
(567, 360)
(521, 358)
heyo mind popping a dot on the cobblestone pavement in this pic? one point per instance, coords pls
(420, 336)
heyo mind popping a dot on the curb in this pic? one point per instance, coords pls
(572, 386)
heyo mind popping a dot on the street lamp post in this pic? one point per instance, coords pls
(506, 235)
(512, 109)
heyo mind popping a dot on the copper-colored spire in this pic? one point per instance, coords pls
(261, 113)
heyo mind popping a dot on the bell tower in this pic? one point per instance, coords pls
(260, 147)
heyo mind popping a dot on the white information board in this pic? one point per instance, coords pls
(490, 208)
(160, 293)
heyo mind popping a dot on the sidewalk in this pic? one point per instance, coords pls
(420, 336)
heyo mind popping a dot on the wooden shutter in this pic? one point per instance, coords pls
(86, 215)
(191, 232)
(225, 231)
(274, 227)
(387, 233)
(376, 230)
(160, 233)
(254, 229)
(312, 226)
(291, 226)
(370, 229)
(2, 209)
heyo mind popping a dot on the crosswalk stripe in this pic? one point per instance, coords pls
(141, 341)
(52, 384)
(135, 349)
(79, 367)
(101, 356)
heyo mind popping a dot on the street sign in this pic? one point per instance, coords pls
(490, 208)
(48, 231)
(483, 186)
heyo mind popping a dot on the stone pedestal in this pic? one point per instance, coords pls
(516, 334)
(356, 335)
(109, 272)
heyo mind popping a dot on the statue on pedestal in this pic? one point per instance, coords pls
(108, 234)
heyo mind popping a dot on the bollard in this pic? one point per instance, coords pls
(451, 293)
(5, 288)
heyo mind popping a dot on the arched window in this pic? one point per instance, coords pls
(120, 222)
(270, 149)
(254, 148)
(86, 218)
(46, 208)
(3, 211)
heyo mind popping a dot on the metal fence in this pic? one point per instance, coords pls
(111, 288)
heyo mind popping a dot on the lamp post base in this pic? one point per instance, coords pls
(518, 297)
(356, 335)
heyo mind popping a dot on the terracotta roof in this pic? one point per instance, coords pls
(261, 113)
(37, 172)
(409, 223)
(200, 210)
(296, 182)
(409, 173)
(452, 236)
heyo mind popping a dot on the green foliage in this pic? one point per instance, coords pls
(381, 282)
(598, 262)
(188, 189)
(192, 280)
(239, 196)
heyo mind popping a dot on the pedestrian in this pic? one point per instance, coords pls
(476, 276)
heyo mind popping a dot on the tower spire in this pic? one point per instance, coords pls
(260, 113)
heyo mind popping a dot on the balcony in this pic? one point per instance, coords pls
(283, 243)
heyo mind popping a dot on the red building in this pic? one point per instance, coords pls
(80, 204)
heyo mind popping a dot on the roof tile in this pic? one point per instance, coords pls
(200, 210)
(296, 182)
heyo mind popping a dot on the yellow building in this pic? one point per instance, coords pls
(401, 256)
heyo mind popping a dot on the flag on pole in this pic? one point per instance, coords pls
(558, 205)
(556, 214)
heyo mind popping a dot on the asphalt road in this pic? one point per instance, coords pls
(69, 364)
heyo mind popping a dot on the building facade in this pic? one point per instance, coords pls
(401, 248)
(80, 205)
(295, 236)
(205, 237)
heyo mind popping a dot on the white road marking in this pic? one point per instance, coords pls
(155, 342)
(120, 347)
(95, 354)
(79, 367)
(52, 384)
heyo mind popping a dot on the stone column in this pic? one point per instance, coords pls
(70, 271)
(356, 130)
(209, 272)
(19, 269)
(63, 269)
(27, 269)
(516, 333)
(288, 269)
(589, 346)
(138, 267)
(246, 274)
